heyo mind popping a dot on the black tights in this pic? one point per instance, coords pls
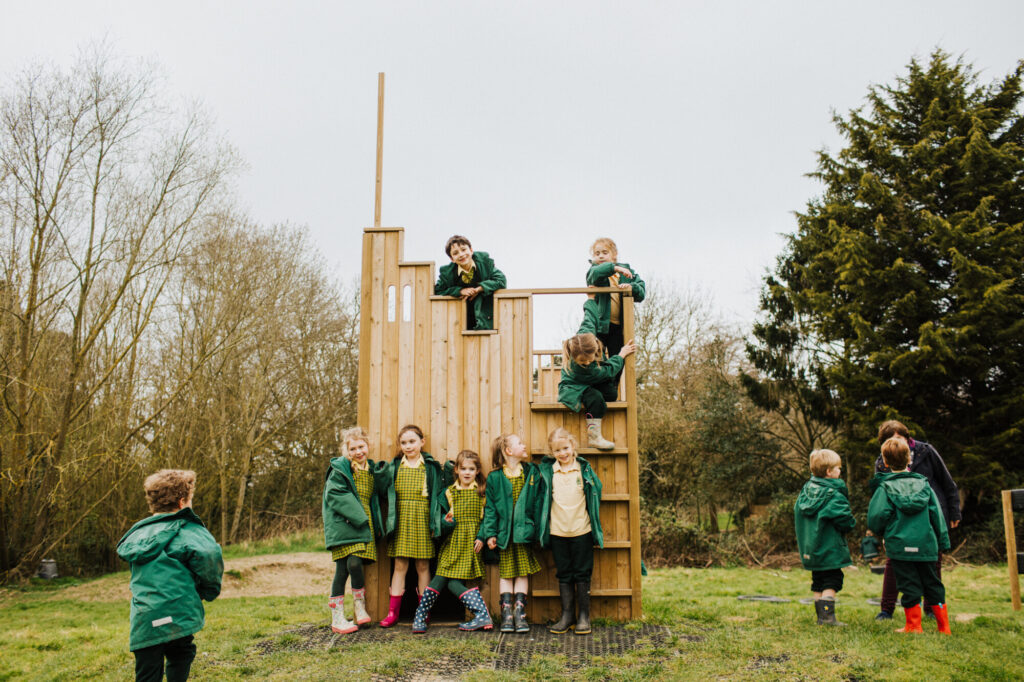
(343, 568)
(456, 586)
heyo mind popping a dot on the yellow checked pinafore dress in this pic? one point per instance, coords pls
(412, 534)
(517, 560)
(367, 551)
(457, 558)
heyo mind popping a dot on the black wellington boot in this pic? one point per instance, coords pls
(566, 592)
(583, 604)
(506, 613)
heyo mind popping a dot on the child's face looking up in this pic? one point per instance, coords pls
(462, 256)
(602, 254)
(467, 471)
(411, 444)
(515, 450)
(563, 451)
(357, 450)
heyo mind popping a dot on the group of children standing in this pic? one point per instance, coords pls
(905, 511)
(451, 513)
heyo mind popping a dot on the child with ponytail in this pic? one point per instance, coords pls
(504, 521)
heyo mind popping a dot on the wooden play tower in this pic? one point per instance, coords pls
(418, 364)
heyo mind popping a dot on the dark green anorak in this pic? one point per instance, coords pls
(822, 517)
(345, 520)
(485, 275)
(175, 565)
(905, 512)
(597, 276)
(575, 379)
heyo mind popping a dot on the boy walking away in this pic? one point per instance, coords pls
(924, 460)
(175, 564)
(472, 276)
(905, 512)
(823, 516)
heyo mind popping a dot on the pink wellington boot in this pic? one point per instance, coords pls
(393, 607)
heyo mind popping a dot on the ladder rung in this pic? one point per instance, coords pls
(559, 407)
(587, 452)
(598, 592)
(615, 497)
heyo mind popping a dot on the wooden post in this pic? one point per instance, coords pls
(380, 148)
(1011, 549)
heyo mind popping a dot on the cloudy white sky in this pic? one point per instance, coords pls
(681, 129)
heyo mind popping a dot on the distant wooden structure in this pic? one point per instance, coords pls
(1013, 501)
(418, 364)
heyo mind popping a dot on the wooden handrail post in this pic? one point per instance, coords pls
(1011, 548)
(380, 148)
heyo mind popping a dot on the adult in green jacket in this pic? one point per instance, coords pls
(905, 511)
(175, 565)
(439, 477)
(536, 525)
(822, 517)
(345, 521)
(485, 280)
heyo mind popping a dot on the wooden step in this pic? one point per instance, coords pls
(586, 452)
(614, 497)
(598, 592)
(559, 407)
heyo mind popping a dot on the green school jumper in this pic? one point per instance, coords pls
(412, 536)
(364, 550)
(517, 560)
(457, 558)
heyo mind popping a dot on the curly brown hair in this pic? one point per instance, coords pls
(168, 488)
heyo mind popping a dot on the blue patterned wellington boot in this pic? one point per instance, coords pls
(474, 601)
(419, 621)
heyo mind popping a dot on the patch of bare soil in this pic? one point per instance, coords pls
(269, 575)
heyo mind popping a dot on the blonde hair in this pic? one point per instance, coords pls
(167, 488)
(561, 433)
(607, 243)
(823, 460)
(481, 482)
(354, 433)
(498, 449)
(896, 454)
(581, 347)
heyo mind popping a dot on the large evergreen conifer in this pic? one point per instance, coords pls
(901, 293)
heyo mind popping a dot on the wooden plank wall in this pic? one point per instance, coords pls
(418, 365)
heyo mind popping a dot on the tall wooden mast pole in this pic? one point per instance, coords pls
(380, 147)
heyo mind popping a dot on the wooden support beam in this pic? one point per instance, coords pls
(380, 149)
(1011, 549)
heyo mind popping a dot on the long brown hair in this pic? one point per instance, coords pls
(469, 455)
(498, 450)
(581, 346)
(408, 427)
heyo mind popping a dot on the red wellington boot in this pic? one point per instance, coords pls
(913, 619)
(942, 617)
(396, 603)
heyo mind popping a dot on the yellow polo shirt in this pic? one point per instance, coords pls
(569, 518)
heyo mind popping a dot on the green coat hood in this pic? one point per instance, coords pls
(175, 565)
(822, 517)
(905, 512)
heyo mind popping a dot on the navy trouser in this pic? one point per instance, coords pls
(574, 558)
(916, 579)
(149, 661)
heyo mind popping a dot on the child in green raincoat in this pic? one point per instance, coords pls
(822, 517)
(175, 565)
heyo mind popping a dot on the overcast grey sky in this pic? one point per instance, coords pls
(681, 129)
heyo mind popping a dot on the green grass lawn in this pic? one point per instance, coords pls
(713, 635)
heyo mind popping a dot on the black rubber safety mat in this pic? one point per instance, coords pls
(510, 651)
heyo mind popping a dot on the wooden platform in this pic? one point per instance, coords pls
(418, 364)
